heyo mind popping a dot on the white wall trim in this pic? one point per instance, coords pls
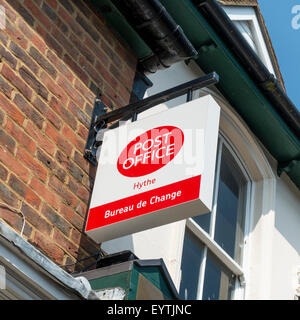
(249, 14)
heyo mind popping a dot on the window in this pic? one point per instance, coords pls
(246, 21)
(212, 256)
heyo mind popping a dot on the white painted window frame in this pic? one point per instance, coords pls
(258, 172)
(207, 239)
(248, 14)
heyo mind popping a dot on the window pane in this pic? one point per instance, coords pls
(190, 267)
(203, 220)
(218, 281)
(230, 206)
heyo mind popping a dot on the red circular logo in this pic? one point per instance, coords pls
(150, 151)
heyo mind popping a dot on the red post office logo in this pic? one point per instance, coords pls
(150, 151)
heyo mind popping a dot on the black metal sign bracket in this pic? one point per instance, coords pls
(101, 118)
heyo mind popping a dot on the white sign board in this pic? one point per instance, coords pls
(155, 171)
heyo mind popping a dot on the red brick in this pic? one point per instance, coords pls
(24, 191)
(55, 19)
(71, 91)
(47, 112)
(106, 75)
(112, 94)
(85, 91)
(60, 65)
(53, 44)
(124, 94)
(90, 70)
(81, 74)
(125, 80)
(73, 138)
(34, 83)
(88, 28)
(73, 185)
(111, 53)
(77, 173)
(18, 36)
(62, 111)
(31, 164)
(12, 164)
(10, 75)
(20, 136)
(11, 217)
(51, 164)
(76, 236)
(99, 53)
(84, 8)
(37, 221)
(70, 215)
(5, 87)
(16, 4)
(8, 196)
(3, 173)
(60, 141)
(21, 54)
(81, 161)
(11, 110)
(43, 62)
(56, 220)
(83, 49)
(29, 111)
(7, 141)
(32, 36)
(43, 191)
(9, 12)
(65, 43)
(82, 209)
(83, 194)
(41, 140)
(62, 191)
(54, 88)
(128, 57)
(8, 57)
(88, 245)
(2, 117)
(37, 13)
(63, 159)
(83, 132)
(65, 243)
(49, 248)
(70, 21)
(52, 3)
(4, 37)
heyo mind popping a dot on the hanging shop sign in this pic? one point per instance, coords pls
(155, 171)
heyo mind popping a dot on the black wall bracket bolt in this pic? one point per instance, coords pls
(91, 145)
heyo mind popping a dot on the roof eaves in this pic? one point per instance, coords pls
(266, 35)
(238, 2)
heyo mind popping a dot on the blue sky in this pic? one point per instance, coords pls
(284, 29)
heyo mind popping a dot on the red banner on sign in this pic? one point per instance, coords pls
(143, 203)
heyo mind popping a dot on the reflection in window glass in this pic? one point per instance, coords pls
(190, 267)
(203, 220)
(218, 281)
(230, 207)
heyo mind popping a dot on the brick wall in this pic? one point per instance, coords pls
(54, 56)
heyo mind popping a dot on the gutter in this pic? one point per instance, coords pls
(79, 286)
(271, 87)
(159, 31)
